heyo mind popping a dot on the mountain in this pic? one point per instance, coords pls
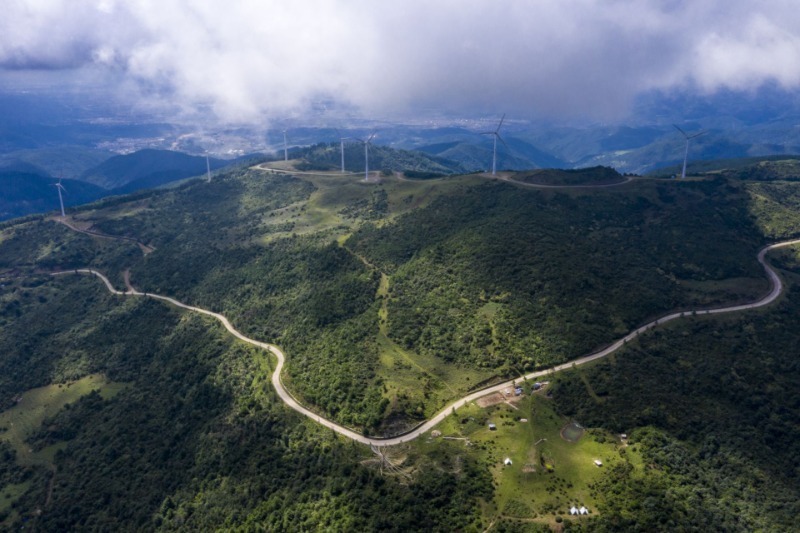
(391, 299)
(28, 187)
(68, 161)
(514, 154)
(146, 169)
(24, 193)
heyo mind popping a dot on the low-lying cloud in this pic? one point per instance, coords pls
(251, 59)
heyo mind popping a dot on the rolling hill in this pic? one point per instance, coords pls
(391, 298)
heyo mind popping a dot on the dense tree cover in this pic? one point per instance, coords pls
(580, 176)
(306, 293)
(456, 292)
(503, 277)
(199, 440)
(490, 276)
(776, 168)
(713, 407)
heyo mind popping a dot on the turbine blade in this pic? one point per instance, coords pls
(697, 134)
(680, 130)
(502, 141)
(501, 123)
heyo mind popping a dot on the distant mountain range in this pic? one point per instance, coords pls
(27, 186)
(146, 169)
(25, 193)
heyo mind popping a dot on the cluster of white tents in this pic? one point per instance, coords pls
(576, 511)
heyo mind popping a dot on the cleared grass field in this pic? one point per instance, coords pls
(548, 474)
(36, 405)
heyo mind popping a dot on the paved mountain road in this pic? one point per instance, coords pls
(289, 400)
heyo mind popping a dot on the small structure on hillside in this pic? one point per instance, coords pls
(623, 436)
(573, 510)
(436, 433)
(518, 391)
(507, 461)
(492, 427)
(598, 462)
(537, 386)
(523, 420)
(583, 510)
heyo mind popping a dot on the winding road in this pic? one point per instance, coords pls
(775, 291)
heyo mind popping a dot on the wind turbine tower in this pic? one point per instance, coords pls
(208, 169)
(341, 144)
(285, 147)
(366, 155)
(686, 152)
(60, 188)
(496, 134)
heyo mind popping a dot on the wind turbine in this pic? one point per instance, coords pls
(285, 147)
(496, 134)
(366, 154)
(208, 169)
(686, 153)
(60, 188)
(341, 143)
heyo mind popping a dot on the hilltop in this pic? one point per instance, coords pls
(327, 156)
(390, 298)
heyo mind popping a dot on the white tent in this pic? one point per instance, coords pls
(574, 510)
(507, 462)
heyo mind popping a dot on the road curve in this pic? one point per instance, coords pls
(775, 291)
(145, 248)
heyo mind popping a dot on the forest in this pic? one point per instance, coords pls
(456, 282)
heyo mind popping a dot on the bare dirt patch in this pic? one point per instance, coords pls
(491, 399)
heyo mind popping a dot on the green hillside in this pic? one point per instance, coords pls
(778, 167)
(391, 299)
(328, 156)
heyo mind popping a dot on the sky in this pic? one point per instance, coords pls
(242, 61)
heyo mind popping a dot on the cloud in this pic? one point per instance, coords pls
(249, 60)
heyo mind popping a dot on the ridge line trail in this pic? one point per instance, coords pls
(70, 224)
(776, 290)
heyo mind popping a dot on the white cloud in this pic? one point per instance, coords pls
(250, 59)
